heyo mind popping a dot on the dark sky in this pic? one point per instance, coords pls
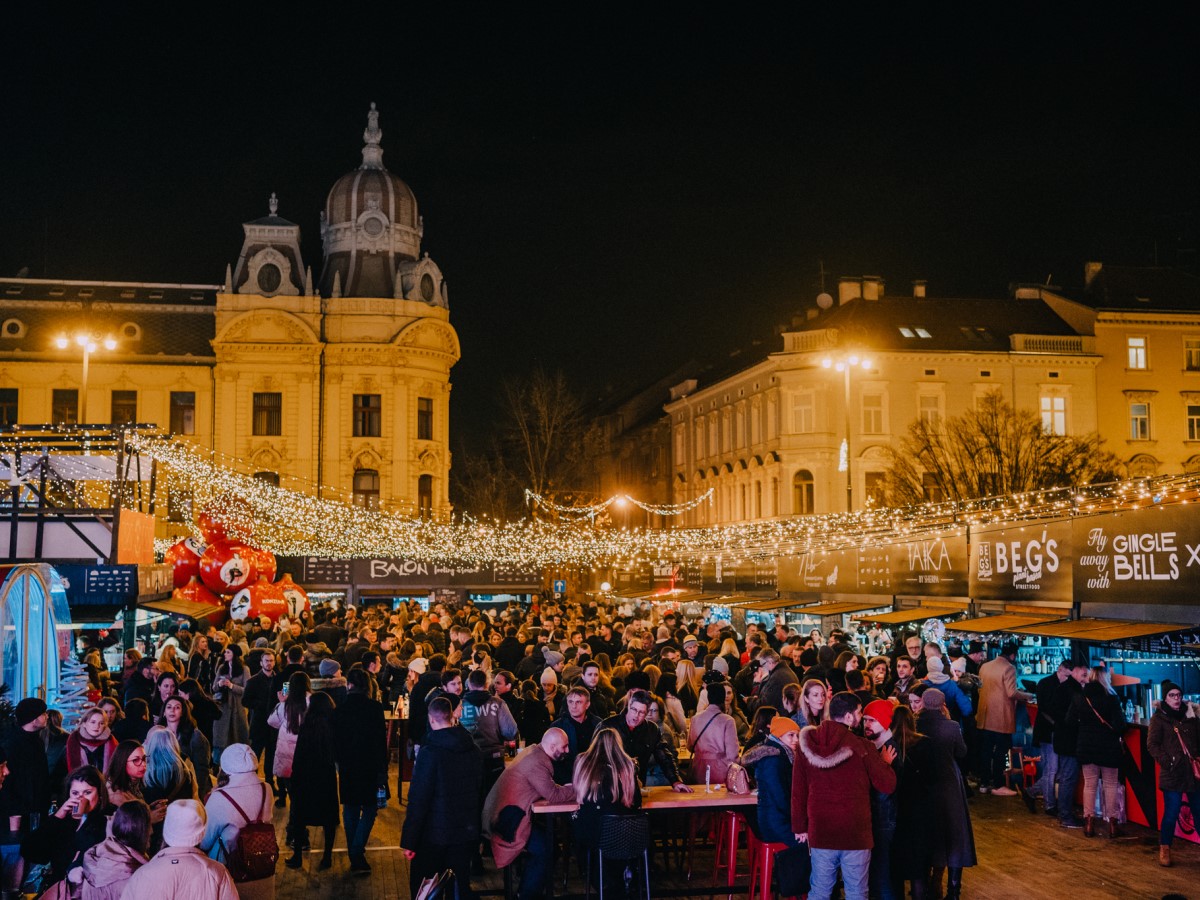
(610, 194)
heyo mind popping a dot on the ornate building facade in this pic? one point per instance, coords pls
(342, 383)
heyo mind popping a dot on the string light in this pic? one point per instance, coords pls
(658, 509)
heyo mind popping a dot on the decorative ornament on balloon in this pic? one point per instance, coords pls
(296, 597)
(184, 560)
(228, 566)
(259, 599)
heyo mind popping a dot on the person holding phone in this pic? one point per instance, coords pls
(78, 825)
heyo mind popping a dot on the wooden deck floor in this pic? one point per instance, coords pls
(1022, 857)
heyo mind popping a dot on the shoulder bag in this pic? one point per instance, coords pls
(1195, 762)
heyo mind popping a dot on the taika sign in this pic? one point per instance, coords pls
(934, 566)
(1032, 561)
(1145, 556)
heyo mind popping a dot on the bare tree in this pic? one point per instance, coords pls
(992, 450)
(484, 485)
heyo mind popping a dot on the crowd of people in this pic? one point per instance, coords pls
(863, 749)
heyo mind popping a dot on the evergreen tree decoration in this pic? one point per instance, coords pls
(73, 687)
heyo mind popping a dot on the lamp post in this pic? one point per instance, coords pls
(89, 344)
(844, 364)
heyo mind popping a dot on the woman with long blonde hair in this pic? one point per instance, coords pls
(814, 703)
(605, 784)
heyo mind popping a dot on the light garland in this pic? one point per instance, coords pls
(294, 523)
(662, 509)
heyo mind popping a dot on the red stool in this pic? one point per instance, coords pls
(727, 829)
(762, 864)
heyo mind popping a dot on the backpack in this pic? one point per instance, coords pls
(255, 851)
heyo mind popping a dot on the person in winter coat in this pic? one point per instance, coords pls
(313, 784)
(1066, 744)
(169, 776)
(286, 720)
(878, 716)
(260, 699)
(1043, 732)
(330, 680)
(712, 739)
(1100, 722)
(180, 871)
(1173, 741)
(108, 866)
(997, 718)
(228, 686)
(361, 749)
(193, 745)
(957, 701)
(771, 764)
(508, 818)
(535, 718)
(441, 825)
(428, 678)
(252, 797)
(165, 688)
(579, 725)
(490, 725)
(606, 784)
(79, 824)
(26, 790)
(91, 743)
(776, 676)
(831, 801)
(948, 837)
(644, 741)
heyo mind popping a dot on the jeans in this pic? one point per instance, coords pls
(358, 819)
(883, 886)
(1049, 774)
(993, 757)
(537, 863)
(855, 866)
(1068, 779)
(12, 866)
(1091, 774)
(1172, 804)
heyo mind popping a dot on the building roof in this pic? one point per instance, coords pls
(1128, 288)
(936, 323)
(100, 292)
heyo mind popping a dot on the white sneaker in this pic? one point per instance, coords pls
(1003, 792)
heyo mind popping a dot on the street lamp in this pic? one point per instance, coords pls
(844, 364)
(89, 344)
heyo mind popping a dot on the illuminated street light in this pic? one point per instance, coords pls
(844, 364)
(89, 344)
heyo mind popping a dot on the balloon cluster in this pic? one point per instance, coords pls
(221, 568)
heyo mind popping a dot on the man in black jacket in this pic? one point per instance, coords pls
(580, 727)
(361, 749)
(1066, 738)
(259, 699)
(1043, 731)
(510, 651)
(418, 698)
(643, 741)
(25, 795)
(441, 824)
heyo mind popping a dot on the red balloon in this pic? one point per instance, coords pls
(195, 592)
(264, 563)
(227, 518)
(210, 526)
(296, 596)
(184, 559)
(259, 599)
(227, 566)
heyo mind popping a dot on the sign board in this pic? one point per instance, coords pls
(933, 566)
(319, 570)
(560, 586)
(829, 572)
(1142, 556)
(135, 538)
(103, 585)
(1031, 562)
(722, 576)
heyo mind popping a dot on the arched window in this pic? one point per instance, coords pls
(366, 488)
(425, 496)
(802, 493)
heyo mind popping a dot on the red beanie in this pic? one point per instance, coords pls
(881, 711)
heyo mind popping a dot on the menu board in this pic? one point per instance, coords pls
(933, 566)
(1147, 555)
(723, 577)
(875, 570)
(319, 570)
(1027, 562)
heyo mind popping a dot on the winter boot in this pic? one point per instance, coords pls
(1089, 826)
(1164, 856)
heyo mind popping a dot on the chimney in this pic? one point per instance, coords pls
(872, 287)
(848, 289)
(919, 287)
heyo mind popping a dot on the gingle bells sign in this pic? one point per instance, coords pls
(1144, 556)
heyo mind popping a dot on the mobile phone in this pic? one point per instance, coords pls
(285, 688)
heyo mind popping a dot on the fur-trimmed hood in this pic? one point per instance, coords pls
(827, 745)
(759, 752)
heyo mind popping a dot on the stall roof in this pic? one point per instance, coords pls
(177, 607)
(1098, 629)
(1003, 622)
(738, 600)
(901, 616)
(768, 605)
(840, 607)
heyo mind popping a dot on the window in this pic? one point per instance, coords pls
(1191, 354)
(680, 449)
(922, 333)
(802, 493)
(906, 332)
(424, 419)
(875, 488)
(366, 488)
(1054, 415)
(271, 478)
(740, 427)
(124, 407)
(929, 409)
(742, 493)
(1193, 422)
(368, 409)
(699, 441)
(1137, 352)
(1139, 421)
(932, 490)
(425, 496)
(804, 414)
(65, 406)
(268, 414)
(872, 413)
(8, 406)
(183, 412)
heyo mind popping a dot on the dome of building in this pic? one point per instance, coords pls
(370, 224)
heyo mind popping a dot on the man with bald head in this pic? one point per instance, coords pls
(508, 812)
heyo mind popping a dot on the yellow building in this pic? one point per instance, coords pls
(775, 437)
(345, 385)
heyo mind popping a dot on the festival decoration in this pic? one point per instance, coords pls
(74, 689)
(264, 563)
(227, 566)
(195, 592)
(296, 597)
(184, 560)
(210, 527)
(259, 599)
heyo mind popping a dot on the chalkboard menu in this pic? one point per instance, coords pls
(318, 570)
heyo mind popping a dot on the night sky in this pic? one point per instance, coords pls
(610, 194)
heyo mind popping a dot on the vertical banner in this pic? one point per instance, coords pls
(1028, 562)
